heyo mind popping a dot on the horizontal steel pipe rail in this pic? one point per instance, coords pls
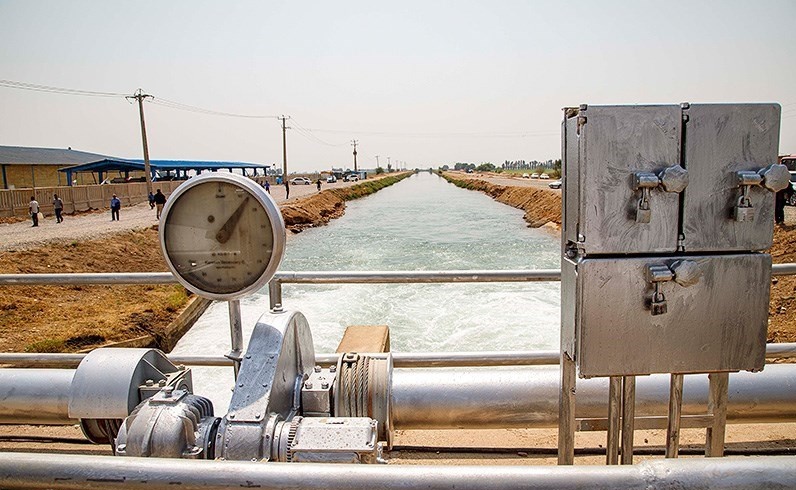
(115, 278)
(39, 397)
(527, 397)
(441, 398)
(63, 471)
(400, 359)
(419, 277)
(319, 277)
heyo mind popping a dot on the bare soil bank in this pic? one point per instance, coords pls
(74, 318)
(326, 205)
(543, 206)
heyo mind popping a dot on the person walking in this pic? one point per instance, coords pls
(267, 187)
(780, 199)
(287, 190)
(319, 185)
(58, 207)
(160, 200)
(33, 207)
(116, 205)
(151, 198)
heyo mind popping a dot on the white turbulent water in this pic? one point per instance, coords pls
(420, 223)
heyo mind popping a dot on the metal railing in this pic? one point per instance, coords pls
(419, 359)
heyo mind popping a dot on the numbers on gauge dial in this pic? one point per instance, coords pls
(219, 238)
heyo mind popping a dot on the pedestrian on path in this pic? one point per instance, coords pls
(33, 207)
(267, 187)
(319, 185)
(160, 200)
(287, 190)
(116, 205)
(58, 207)
(151, 198)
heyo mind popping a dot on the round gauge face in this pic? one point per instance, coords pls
(222, 235)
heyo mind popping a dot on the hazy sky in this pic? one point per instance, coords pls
(423, 82)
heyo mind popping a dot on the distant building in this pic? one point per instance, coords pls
(24, 167)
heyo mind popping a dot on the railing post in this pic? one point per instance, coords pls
(275, 294)
(236, 333)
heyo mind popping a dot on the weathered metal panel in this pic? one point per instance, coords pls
(722, 139)
(570, 179)
(717, 324)
(615, 142)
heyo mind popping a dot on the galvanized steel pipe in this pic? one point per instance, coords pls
(400, 359)
(321, 277)
(35, 396)
(447, 398)
(64, 471)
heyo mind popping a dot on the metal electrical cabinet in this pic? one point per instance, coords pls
(667, 209)
(644, 187)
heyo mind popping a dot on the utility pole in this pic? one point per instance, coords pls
(284, 148)
(389, 166)
(377, 161)
(354, 144)
(139, 95)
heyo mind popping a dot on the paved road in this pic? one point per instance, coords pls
(87, 226)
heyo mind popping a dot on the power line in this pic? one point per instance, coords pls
(201, 110)
(56, 90)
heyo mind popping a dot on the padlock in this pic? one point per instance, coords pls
(658, 306)
(743, 210)
(643, 212)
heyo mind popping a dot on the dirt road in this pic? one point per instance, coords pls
(93, 225)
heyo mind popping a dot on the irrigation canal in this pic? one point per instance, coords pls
(420, 223)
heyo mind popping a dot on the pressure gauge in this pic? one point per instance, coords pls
(222, 235)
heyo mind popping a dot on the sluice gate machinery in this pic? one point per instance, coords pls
(667, 210)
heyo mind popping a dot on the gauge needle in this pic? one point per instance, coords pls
(225, 231)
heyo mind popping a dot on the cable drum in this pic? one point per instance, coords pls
(363, 390)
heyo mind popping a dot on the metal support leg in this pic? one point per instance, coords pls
(275, 295)
(236, 333)
(717, 406)
(566, 412)
(675, 407)
(614, 410)
(628, 417)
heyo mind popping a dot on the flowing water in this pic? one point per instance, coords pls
(420, 223)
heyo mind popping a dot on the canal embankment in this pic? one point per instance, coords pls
(542, 206)
(320, 208)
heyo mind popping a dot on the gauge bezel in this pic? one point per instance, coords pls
(265, 201)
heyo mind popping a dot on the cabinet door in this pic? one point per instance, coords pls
(717, 324)
(720, 140)
(614, 142)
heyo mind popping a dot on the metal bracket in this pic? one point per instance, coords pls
(686, 273)
(671, 179)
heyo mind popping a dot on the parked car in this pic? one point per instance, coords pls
(556, 184)
(544, 176)
(526, 176)
(331, 179)
(300, 181)
(351, 178)
(792, 200)
(534, 175)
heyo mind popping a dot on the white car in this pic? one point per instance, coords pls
(556, 184)
(300, 181)
(351, 178)
(331, 179)
(534, 176)
(544, 176)
(526, 176)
